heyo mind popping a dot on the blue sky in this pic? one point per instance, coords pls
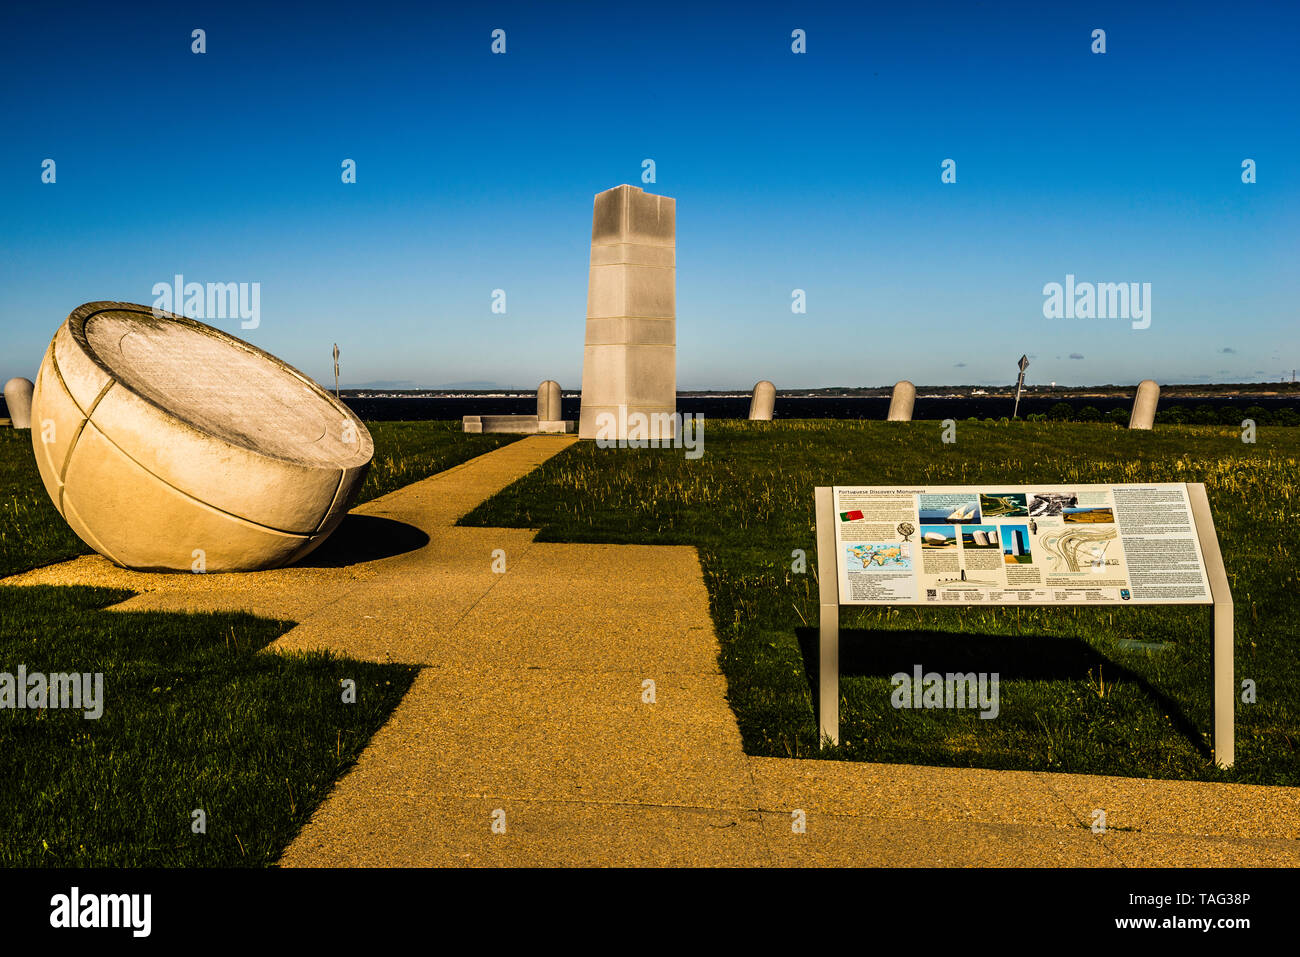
(818, 171)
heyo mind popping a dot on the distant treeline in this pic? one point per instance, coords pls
(1172, 390)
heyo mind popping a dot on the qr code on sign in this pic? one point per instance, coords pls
(931, 594)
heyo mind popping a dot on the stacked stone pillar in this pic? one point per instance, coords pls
(629, 364)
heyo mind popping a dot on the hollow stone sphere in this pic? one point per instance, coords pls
(169, 445)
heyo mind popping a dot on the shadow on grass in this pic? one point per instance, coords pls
(365, 538)
(880, 654)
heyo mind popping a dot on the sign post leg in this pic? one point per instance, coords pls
(828, 680)
(828, 643)
(1225, 691)
(1224, 686)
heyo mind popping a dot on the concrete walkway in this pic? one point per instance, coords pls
(529, 714)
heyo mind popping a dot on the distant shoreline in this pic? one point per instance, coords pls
(1167, 392)
(830, 403)
(1077, 406)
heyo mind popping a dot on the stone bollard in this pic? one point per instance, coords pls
(762, 402)
(900, 404)
(18, 396)
(1144, 405)
(548, 401)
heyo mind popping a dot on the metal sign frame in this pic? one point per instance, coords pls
(1224, 689)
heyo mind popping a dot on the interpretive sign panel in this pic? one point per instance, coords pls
(1021, 545)
(1018, 545)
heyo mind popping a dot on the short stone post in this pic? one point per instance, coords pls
(762, 402)
(18, 396)
(900, 404)
(548, 401)
(1144, 405)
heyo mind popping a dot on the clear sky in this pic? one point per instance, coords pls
(818, 171)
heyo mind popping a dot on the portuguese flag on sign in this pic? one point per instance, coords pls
(852, 516)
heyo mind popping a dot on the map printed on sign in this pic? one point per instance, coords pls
(1018, 544)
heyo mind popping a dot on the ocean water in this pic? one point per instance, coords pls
(417, 408)
(390, 408)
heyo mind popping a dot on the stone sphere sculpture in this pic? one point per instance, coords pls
(169, 445)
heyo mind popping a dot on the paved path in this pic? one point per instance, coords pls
(529, 710)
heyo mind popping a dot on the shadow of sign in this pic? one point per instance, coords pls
(880, 654)
(365, 538)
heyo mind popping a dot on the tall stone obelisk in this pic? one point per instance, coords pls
(629, 363)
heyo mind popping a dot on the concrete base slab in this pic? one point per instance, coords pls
(441, 831)
(1141, 849)
(1190, 808)
(534, 734)
(516, 424)
(901, 792)
(834, 841)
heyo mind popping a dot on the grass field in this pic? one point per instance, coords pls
(32, 533)
(194, 717)
(1076, 693)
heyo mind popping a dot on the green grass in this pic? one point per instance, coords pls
(1073, 698)
(194, 717)
(32, 533)
(406, 452)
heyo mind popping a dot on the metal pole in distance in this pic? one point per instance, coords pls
(1020, 384)
(1225, 691)
(828, 587)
